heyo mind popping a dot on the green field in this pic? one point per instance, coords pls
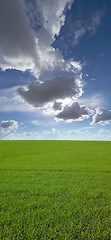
(55, 190)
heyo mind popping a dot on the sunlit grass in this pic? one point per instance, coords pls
(55, 190)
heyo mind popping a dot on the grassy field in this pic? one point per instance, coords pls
(55, 190)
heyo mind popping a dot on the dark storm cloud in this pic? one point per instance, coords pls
(38, 94)
(74, 112)
(102, 116)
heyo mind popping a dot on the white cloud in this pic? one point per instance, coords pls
(95, 22)
(76, 27)
(27, 134)
(75, 112)
(53, 134)
(27, 32)
(88, 26)
(10, 101)
(79, 133)
(25, 39)
(102, 116)
(74, 132)
(93, 101)
(91, 132)
(103, 132)
(34, 135)
(34, 122)
(7, 127)
(24, 136)
(52, 12)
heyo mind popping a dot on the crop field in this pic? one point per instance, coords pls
(55, 190)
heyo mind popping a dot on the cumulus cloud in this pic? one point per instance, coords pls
(40, 93)
(74, 132)
(7, 127)
(35, 133)
(17, 42)
(102, 116)
(53, 134)
(53, 13)
(75, 112)
(27, 32)
(78, 132)
(6, 124)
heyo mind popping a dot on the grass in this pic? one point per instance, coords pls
(55, 190)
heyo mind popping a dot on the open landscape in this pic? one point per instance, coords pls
(55, 120)
(55, 190)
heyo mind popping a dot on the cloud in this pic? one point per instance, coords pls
(34, 122)
(87, 26)
(7, 127)
(27, 31)
(74, 132)
(57, 106)
(53, 134)
(17, 38)
(103, 132)
(35, 133)
(79, 133)
(31, 135)
(93, 101)
(11, 102)
(24, 136)
(75, 112)
(80, 22)
(40, 93)
(102, 116)
(53, 13)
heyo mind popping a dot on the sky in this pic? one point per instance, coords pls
(55, 70)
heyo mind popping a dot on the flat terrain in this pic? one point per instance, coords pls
(55, 190)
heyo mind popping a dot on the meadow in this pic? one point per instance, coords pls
(55, 190)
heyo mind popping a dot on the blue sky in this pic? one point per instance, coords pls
(55, 69)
